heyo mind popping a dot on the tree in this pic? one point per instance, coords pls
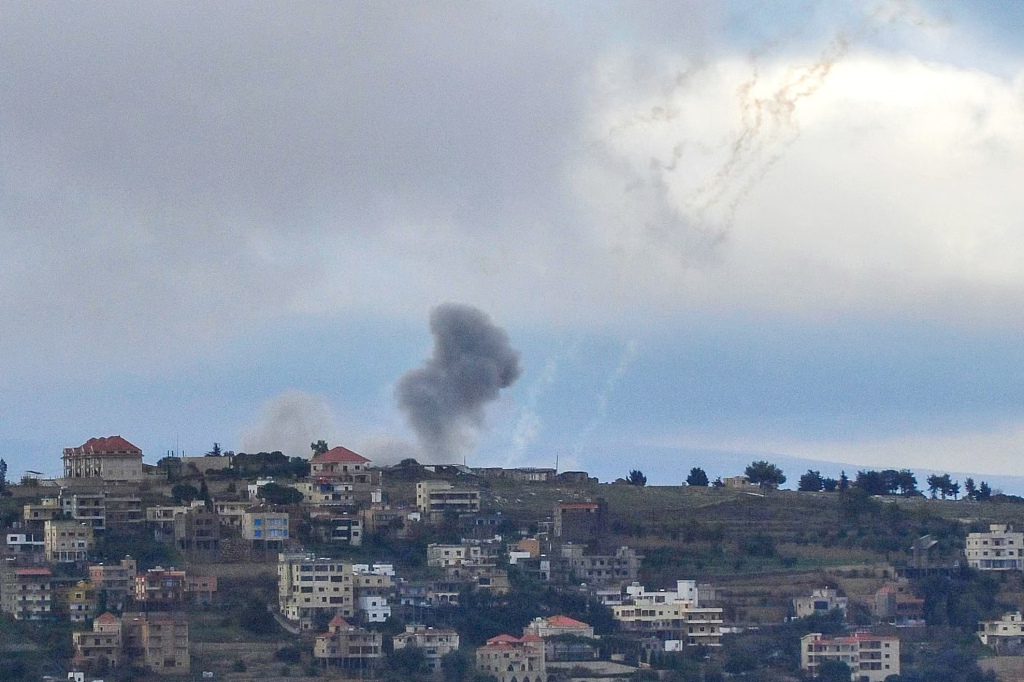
(273, 493)
(718, 483)
(636, 477)
(319, 447)
(984, 492)
(184, 493)
(811, 482)
(3, 475)
(942, 485)
(954, 489)
(697, 477)
(833, 671)
(970, 491)
(765, 474)
(934, 484)
(906, 482)
(871, 482)
(215, 452)
(844, 482)
(829, 485)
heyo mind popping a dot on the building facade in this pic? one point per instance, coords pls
(871, 658)
(348, 646)
(107, 459)
(1005, 636)
(820, 602)
(26, 593)
(507, 658)
(307, 585)
(433, 642)
(997, 550)
(435, 498)
(67, 541)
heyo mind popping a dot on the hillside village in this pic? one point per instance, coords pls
(267, 566)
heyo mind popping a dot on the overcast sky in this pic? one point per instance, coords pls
(789, 228)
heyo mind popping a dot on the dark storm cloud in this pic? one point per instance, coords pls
(444, 400)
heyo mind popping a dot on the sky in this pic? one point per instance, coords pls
(713, 231)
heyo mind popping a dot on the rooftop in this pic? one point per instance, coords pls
(340, 454)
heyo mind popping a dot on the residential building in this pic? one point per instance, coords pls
(197, 531)
(326, 492)
(895, 603)
(741, 482)
(161, 520)
(341, 528)
(348, 646)
(523, 474)
(164, 587)
(231, 511)
(997, 550)
(36, 515)
(373, 608)
(115, 581)
(507, 658)
(433, 642)
(820, 602)
(101, 647)
(158, 640)
(266, 528)
(871, 658)
(86, 507)
(1005, 636)
(436, 498)
(563, 638)
(108, 459)
(580, 521)
(67, 541)
(380, 518)
(82, 602)
(307, 585)
(602, 570)
(670, 615)
(343, 466)
(26, 593)
(25, 543)
(124, 511)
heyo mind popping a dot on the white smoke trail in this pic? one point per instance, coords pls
(627, 358)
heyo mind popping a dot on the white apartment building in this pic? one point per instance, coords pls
(1003, 635)
(670, 615)
(997, 550)
(374, 608)
(307, 584)
(434, 498)
(67, 541)
(871, 658)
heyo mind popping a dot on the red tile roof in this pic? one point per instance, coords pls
(109, 444)
(565, 622)
(340, 454)
(106, 618)
(338, 622)
(33, 571)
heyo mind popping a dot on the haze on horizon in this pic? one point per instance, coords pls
(709, 229)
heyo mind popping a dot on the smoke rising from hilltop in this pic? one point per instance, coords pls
(444, 399)
(289, 423)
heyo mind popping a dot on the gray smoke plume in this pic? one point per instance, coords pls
(444, 400)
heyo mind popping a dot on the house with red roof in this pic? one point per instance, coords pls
(341, 464)
(513, 659)
(111, 458)
(348, 646)
(565, 638)
(26, 593)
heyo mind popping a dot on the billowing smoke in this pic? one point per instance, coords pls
(444, 400)
(289, 423)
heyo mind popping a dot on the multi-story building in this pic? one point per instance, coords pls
(444, 556)
(115, 581)
(101, 647)
(67, 541)
(231, 511)
(580, 521)
(107, 459)
(160, 519)
(157, 640)
(670, 616)
(26, 593)
(327, 492)
(36, 515)
(124, 511)
(343, 466)
(86, 507)
(602, 570)
(871, 658)
(197, 531)
(558, 647)
(159, 587)
(266, 528)
(307, 585)
(373, 608)
(436, 498)
(348, 646)
(82, 602)
(1005, 636)
(507, 658)
(896, 603)
(337, 527)
(26, 543)
(997, 550)
(433, 642)
(820, 602)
